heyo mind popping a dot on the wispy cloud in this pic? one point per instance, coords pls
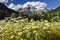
(4, 1)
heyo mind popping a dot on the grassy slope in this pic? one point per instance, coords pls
(33, 30)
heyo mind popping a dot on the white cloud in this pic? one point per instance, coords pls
(15, 7)
(33, 6)
(3, 1)
(11, 6)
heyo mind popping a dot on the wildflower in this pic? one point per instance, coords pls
(12, 36)
(45, 21)
(1, 29)
(34, 31)
(20, 33)
(34, 27)
(44, 27)
(25, 31)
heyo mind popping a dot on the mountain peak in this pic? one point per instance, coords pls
(58, 7)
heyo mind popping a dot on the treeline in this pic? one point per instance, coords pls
(8, 13)
(42, 16)
(50, 16)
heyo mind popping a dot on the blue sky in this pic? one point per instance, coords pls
(50, 3)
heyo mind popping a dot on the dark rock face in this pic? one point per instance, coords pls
(5, 10)
(3, 7)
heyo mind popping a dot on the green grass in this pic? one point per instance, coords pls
(33, 30)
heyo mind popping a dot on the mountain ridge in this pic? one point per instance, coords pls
(5, 10)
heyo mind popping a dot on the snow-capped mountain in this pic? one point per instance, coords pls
(30, 7)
